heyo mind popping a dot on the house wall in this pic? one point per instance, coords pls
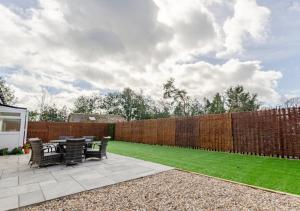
(12, 139)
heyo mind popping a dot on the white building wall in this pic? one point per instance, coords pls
(12, 139)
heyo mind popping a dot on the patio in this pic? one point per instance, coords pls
(21, 185)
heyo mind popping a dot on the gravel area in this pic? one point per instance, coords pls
(173, 190)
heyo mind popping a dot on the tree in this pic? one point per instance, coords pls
(238, 100)
(111, 103)
(179, 96)
(124, 104)
(128, 104)
(51, 113)
(144, 107)
(33, 116)
(217, 106)
(195, 108)
(8, 92)
(86, 104)
(182, 104)
(161, 109)
(292, 102)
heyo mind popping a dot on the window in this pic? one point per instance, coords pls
(9, 125)
(2, 114)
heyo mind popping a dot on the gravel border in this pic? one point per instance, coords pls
(173, 190)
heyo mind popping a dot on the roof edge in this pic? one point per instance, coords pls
(8, 106)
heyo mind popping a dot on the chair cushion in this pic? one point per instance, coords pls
(92, 150)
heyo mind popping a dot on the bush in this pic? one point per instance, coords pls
(3, 151)
(16, 151)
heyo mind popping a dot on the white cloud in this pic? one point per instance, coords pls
(114, 44)
(249, 21)
(204, 79)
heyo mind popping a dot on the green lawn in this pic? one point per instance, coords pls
(267, 172)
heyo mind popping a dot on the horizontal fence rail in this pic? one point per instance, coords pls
(273, 132)
(52, 130)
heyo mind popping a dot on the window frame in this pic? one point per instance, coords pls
(12, 118)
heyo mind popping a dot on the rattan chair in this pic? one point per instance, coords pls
(28, 141)
(89, 141)
(98, 153)
(40, 157)
(74, 151)
(89, 138)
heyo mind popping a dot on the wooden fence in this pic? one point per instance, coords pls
(273, 132)
(52, 130)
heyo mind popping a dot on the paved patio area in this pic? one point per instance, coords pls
(21, 186)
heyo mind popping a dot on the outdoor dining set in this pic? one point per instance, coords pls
(66, 150)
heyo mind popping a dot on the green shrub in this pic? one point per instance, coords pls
(3, 151)
(16, 151)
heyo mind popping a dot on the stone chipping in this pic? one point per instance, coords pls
(173, 190)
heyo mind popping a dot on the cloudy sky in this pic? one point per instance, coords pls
(74, 47)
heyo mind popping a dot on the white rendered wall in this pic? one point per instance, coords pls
(14, 139)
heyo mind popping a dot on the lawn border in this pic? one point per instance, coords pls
(214, 177)
(239, 183)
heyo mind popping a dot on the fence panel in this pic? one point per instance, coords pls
(215, 132)
(126, 133)
(58, 129)
(166, 131)
(38, 129)
(137, 131)
(150, 131)
(52, 130)
(274, 132)
(290, 122)
(269, 132)
(118, 131)
(187, 132)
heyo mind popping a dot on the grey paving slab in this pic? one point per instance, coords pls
(62, 177)
(93, 181)
(21, 185)
(10, 202)
(20, 189)
(101, 170)
(35, 178)
(31, 198)
(9, 182)
(54, 190)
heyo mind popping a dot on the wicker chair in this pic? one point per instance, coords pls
(89, 141)
(98, 153)
(40, 157)
(89, 138)
(74, 151)
(28, 141)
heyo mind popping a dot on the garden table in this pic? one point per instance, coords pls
(62, 143)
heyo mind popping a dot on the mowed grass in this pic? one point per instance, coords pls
(273, 173)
